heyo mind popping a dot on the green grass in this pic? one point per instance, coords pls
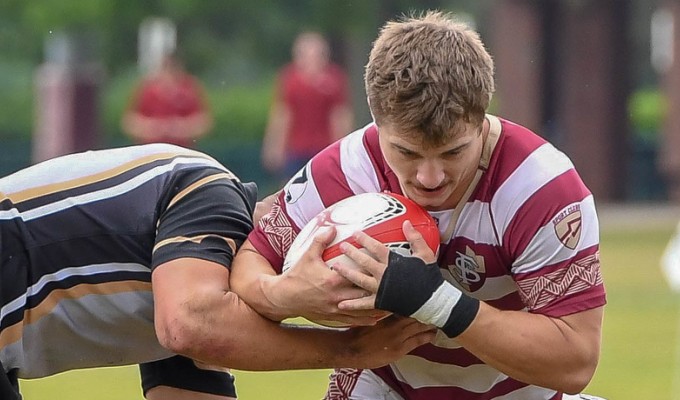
(123, 383)
(638, 350)
(641, 319)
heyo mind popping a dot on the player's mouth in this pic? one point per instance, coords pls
(430, 192)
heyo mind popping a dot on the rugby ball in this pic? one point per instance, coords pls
(380, 215)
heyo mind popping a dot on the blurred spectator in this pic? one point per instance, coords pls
(168, 106)
(311, 107)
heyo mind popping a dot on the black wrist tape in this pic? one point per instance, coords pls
(411, 288)
(462, 316)
(407, 284)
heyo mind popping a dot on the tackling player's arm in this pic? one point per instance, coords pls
(196, 315)
(558, 353)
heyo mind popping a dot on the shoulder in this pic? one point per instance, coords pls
(522, 159)
(344, 168)
(530, 185)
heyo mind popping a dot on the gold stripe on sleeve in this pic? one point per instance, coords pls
(195, 239)
(199, 183)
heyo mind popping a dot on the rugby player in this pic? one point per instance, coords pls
(516, 291)
(122, 256)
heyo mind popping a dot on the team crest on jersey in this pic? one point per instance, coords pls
(468, 269)
(567, 224)
(296, 186)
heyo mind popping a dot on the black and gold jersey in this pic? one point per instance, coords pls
(79, 237)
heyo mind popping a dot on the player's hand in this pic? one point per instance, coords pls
(386, 342)
(373, 262)
(312, 290)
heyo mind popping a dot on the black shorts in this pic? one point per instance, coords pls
(183, 373)
(9, 385)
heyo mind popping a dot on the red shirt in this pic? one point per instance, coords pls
(311, 104)
(161, 98)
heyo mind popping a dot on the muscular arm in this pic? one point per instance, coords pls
(197, 316)
(308, 289)
(557, 353)
(251, 273)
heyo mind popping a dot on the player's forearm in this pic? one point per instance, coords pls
(537, 349)
(560, 354)
(252, 279)
(227, 332)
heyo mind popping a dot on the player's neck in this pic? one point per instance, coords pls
(462, 192)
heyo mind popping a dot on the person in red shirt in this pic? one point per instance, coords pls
(311, 107)
(168, 107)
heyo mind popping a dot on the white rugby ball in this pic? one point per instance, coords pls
(380, 215)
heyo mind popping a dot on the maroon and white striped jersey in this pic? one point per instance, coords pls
(525, 238)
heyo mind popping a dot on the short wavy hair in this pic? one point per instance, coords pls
(429, 75)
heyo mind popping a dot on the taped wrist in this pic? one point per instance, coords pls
(411, 288)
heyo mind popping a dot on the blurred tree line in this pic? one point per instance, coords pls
(233, 46)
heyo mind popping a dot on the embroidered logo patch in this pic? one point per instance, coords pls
(567, 224)
(468, 269)
(296, 186)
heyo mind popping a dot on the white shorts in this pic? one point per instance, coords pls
(363, 384)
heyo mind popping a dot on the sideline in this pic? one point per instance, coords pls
(638, 216)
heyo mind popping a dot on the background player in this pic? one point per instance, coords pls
(169, 105)
(311, 107)
(521, 314)
(121, 256)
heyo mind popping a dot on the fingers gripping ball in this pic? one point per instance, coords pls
(380, 215)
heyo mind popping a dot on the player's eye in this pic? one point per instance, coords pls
(407, 153)
(452, 153)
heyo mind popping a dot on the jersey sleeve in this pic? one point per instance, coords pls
(206, 214)
(299, 201)
(553, 239)
(339, 171)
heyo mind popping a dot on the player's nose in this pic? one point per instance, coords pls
(430, 174)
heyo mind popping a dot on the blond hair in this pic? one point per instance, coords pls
(429, 76)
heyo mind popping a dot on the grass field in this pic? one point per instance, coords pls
(638, 360)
